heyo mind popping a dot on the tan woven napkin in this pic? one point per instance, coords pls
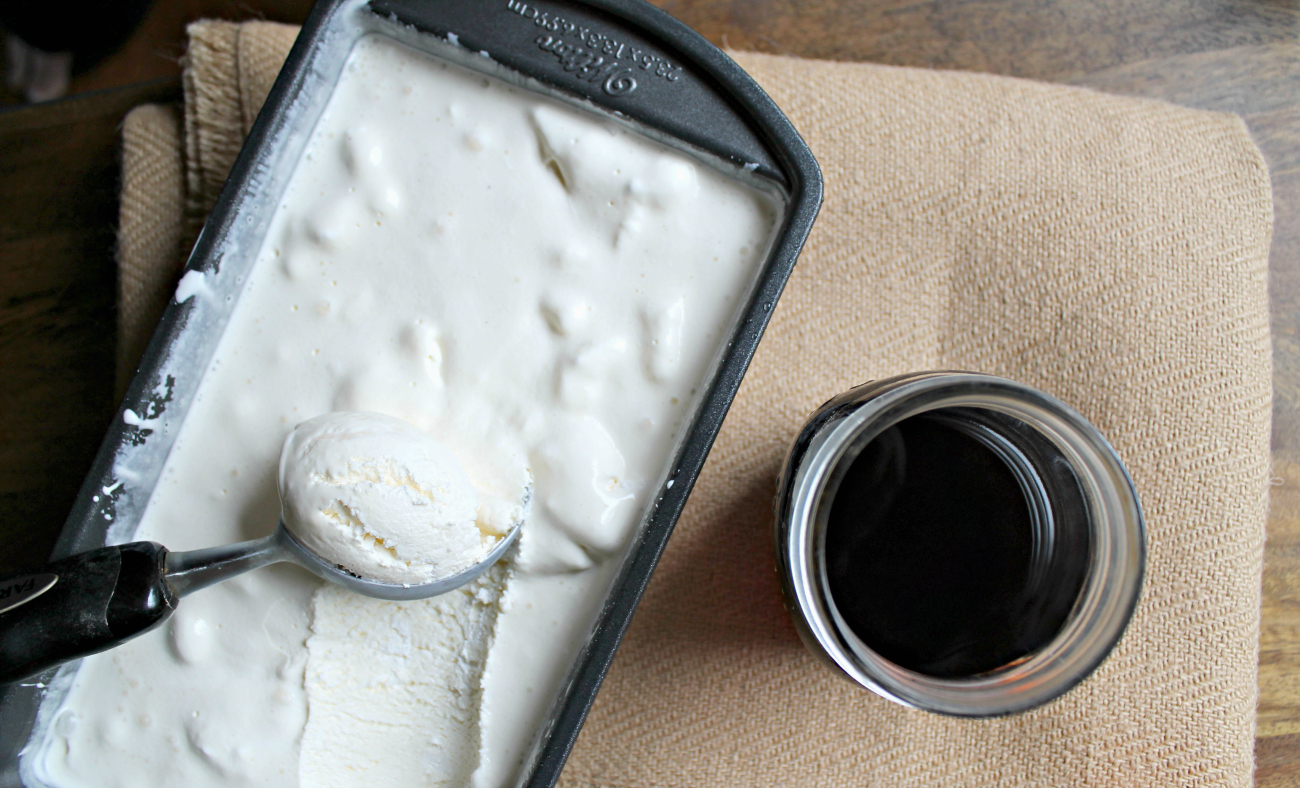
(174, 162)
(1111, 251)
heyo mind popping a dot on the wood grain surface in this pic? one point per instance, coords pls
(58, 182)
(59, 167)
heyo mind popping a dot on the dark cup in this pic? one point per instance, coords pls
(958, 542)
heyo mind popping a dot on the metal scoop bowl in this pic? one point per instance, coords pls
(189, 571)
(92, 601)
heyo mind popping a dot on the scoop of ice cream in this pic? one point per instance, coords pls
(381, 498)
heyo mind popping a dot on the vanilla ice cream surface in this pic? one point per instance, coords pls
(381, 498)
(545, 290)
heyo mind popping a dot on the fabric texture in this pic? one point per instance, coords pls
(151, 232)
(1110, 251)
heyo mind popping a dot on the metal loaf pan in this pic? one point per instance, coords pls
(622, 57)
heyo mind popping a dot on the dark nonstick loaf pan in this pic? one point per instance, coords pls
(623, 58)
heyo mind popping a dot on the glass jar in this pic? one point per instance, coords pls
(958, 542)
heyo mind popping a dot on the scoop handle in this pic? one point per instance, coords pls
(80, 605)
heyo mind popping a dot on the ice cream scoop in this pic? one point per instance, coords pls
(383, 499)
(368, 501)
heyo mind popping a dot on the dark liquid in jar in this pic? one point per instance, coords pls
(931, 555)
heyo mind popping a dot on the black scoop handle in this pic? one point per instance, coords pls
(96, 600)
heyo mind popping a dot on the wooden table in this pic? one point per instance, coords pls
(58, 181)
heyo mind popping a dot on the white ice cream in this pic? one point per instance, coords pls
(543, 289)
(383, 499)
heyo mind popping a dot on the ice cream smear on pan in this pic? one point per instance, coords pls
(542, 290)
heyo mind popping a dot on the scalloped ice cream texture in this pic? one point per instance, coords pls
(384, 500)
(544, 290)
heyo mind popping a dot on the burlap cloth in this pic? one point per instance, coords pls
(1111, 251)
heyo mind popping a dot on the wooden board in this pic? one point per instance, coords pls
(58, 181)
(59, 169)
